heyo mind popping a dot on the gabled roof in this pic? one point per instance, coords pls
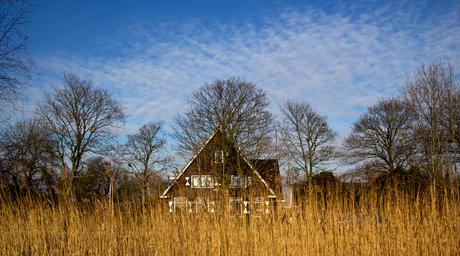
(273, 194)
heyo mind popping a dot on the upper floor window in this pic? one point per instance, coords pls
(202, 181)
(239, 181)
(219, 156)
(196, 182)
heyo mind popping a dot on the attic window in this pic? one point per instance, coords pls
(219, 156)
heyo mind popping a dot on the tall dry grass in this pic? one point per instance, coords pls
(409, 226)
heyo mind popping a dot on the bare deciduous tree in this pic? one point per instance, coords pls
(453, 115)
(95, 179)
(82, 117)
(15, 62)
(432, 92)
(236, 106)
(307, 137)
(27, 156)
(143, 153)
(382, 137)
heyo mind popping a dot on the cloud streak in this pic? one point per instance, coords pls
(340, 62)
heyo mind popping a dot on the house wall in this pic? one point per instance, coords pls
(248, 193)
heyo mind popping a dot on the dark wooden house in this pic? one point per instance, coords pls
(220, 177)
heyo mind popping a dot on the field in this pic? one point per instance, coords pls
(393, 224)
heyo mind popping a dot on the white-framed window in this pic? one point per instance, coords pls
(238, 181)
(206, 181)
(202, 181)
(219, 156)
(235, 205)
(258, 204)
(200, 203)
(180, 204)
(196, 181)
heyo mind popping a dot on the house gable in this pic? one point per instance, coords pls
(219, 164)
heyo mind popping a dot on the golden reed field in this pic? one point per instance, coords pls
(406, 226)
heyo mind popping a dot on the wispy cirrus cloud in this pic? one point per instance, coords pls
(340, 62)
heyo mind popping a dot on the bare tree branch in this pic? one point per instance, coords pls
(15, 63)
(142, 152)
(382, 136)
(236, 106)
(308, 139)
(432, 92)
(82, 117)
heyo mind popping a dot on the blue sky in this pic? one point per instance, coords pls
(340, 56)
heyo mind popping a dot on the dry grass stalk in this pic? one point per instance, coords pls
(408, 227)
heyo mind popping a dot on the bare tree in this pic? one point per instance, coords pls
(455, 132)
(82, 117)
(27, 156)
(452, 117)
(432, 93)
(143, 152)
(236, 106)
(382, 137)
(95, 179)
(15, 62)
(308, 139)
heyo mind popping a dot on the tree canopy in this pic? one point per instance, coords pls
(234, 105)
(308, 139)
(82, 117)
